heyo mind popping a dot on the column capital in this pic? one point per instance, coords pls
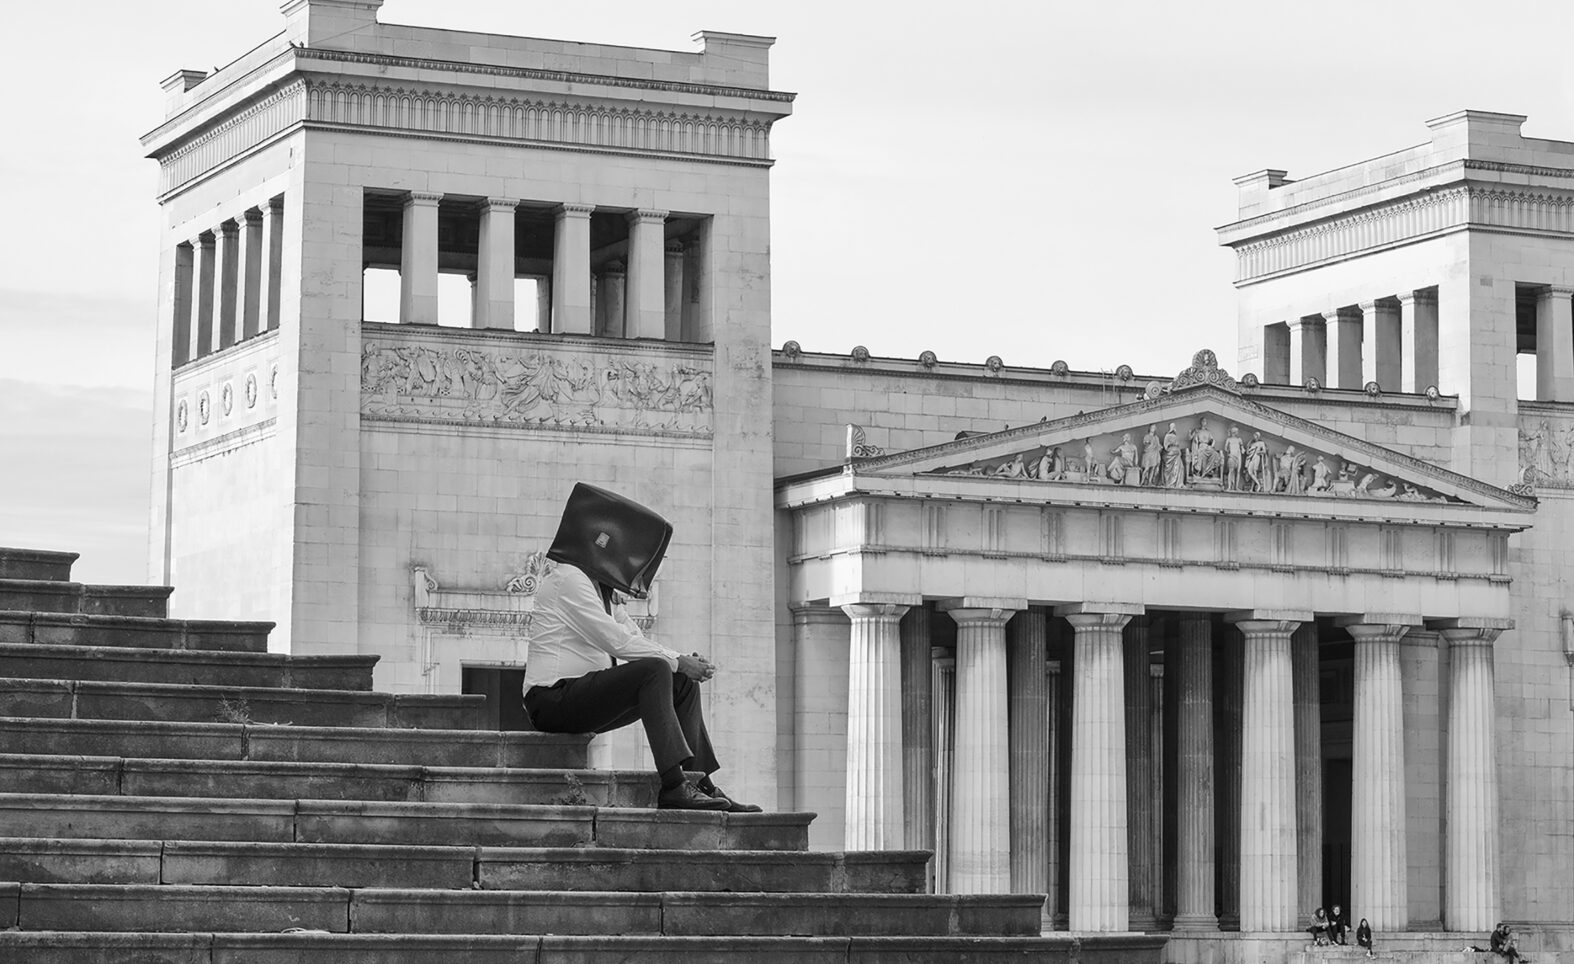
(1378, 627)
(1346, 313)
(1100, 609)
(809, 615)
(1416, 298)
(422, 199)
(975, 608)
(499, 203)
(1556, 291)
(649, 215)
(251, 216)
(674, 247)
(574, 209)
(1304, 321)
(902, 599)
(1367, 307)
(1496, 623)
(1291, 617)
(205, 239)
(229, 227)
(886, 611)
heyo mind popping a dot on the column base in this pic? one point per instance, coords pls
(1195, 922)
(1142, 923)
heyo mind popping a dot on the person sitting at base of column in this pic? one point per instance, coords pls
(1504, 945)
(1319, 928)
(1338, 926)
(1363, 936)
(573, 682)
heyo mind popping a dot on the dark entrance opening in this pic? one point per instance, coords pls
(1336, 668)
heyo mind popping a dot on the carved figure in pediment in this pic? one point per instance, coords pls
(1152, 456)
(1174, 460)
(1203, 459)
(1258, 468)
(1123, 468)
(1012, 469)
(1234, 459)
(1291, 478)
(1320, 476)
(1090, 463)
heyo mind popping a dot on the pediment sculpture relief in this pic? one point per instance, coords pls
(1546, 454)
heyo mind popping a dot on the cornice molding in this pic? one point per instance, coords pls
(232, 136)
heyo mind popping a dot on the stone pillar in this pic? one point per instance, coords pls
(571, 270)
(1139, 775)
(1054, 690)
(251, 274)
(944, 689)
(544, 305)
(494, 289)
(1470, 849)
(1229, 656)
(820, 720)
(1100, 872)
(204, 320)
(672, 292)
(1381, 355)
(1308, 350)
(1269, 863)
(1417, 340)
(1163, 907)
(918, 747)
(874, 728)
(228, 287)
(180, 309)
(1343, 326)
(418, 260)
(1027, 636)
(647, 304)
(1276, 354)
(611, 288)
(980, 857)
(1555, 345)
(1306, 680)
(273, 226)
(1191, 686)
(1378, 861)
(1422, 675)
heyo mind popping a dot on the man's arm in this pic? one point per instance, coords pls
(583, 612)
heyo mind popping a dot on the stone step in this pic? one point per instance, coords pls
(114, 817)
(92, 700)
(133, 632)
(186, 667)
(176, 907)
(58, 773)
(76, 947)
(66, 861)
(301, 744)
(55, 596)
(36, 564)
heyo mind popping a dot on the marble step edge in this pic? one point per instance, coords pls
(286, 665)
(25, 625)
(89, 595)
(46, 564)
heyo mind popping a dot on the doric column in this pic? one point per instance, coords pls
(944, 689)
(1306, 680)
(980, 859)
(1054, 694)
(1229, 656)
(1421, 676)
(251, 273)
(647, 304)
(611, 288)
(204, 320)
(1343, 326)
(1027, 636)
(672, 292)
(820, 720)
(1158, 846)
(1380, 345)
(1378, 861)
(228, 287)
(180, 309)
(1268, 876)
(1308, 349)
(494, 302)
(1418, 340)
(273, 277)
(1191, 684)
(1100, 882)
(1470, 849)
(1139, 775)
(571, 270)
(418, 260)
(918, 748)
(874, 728)
(1555, 345)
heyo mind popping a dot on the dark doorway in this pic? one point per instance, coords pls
(1337, 692)
(503, 689)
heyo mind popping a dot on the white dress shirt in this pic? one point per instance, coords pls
(571, 633)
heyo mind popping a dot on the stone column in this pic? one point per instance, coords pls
(180, 309)
(1027, 636)
(1163, 911)
(611, 288)
(1306, 680)
(980, 858)
(944, 689)
(1308, 350)
(918, 748)
(273, 226)
(251, 274)
(1378, 861)
(1269, 864)
(1227, 666)
(1191, 682)
(571, 270)
(1343, 326)
(1418, 340)
(820, 720)
(647, 303)
(204, 320)
(1139, 775)
(1054, 688)
(418, 260)
(672, 292)
(544, 305)
(1100, 872)
(874, 728)
(1470, 849)
(494, 290)
(1381, 358)
(228, 286)
(1555, 346)
(1423, 678)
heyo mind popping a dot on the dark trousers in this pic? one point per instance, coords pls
(647, 690)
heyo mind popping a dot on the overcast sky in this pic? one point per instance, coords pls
(1037, 180)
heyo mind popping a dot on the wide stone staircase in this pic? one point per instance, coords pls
(172, 792)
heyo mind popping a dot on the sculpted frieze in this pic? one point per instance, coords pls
(534, 389)
(1546, 454)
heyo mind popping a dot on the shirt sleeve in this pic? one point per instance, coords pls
(583, 612)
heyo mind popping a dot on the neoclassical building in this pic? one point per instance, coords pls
(1193, 651)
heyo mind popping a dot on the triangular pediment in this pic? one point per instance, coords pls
(1205, 438)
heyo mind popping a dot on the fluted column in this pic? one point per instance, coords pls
(1555, 345)
(1378, 861)
(1417, 340)
(647, 308)
(228, 288)
(1380, 345)
(1343, 326)
(251, 273)
(1191, 682)
(494, 302)
(418, 260)
(672, 292)
(611, 295)
(1139, 775)
(980, 859)
(918, 748)
(1308, 350)
(1227, 665)
(1268, 876)
(1163, 911)
(1027, 636)
(1054, 690)
(1306, 680)
(1470, 849)
(206, 274)
(874, 728)
(571, 270)
(944, 690)
(1100, 871)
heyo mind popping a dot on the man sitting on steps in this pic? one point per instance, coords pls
(573, 680)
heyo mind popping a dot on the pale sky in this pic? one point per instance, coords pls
(1037, 180)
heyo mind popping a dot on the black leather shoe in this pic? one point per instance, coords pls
(733, 806)
(686, 796)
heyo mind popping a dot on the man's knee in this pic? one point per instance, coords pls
(652, 666)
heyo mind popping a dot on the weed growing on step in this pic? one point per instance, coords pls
(234, 711)
(576, 796)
